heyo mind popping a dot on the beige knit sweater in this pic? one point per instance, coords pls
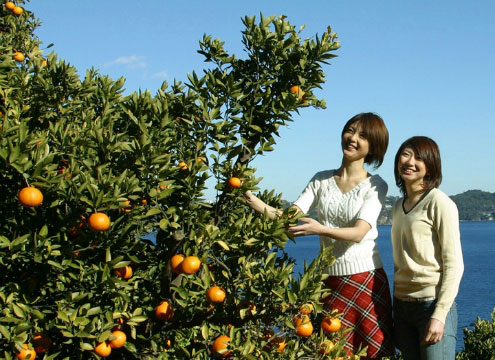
(427, 251)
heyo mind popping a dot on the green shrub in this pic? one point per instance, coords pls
(479, 343)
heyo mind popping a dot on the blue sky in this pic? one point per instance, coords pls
(427, 67)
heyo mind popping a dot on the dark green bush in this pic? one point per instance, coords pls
(479, 343)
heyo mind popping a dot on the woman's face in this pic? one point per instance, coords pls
(355, 146)
(411, 167)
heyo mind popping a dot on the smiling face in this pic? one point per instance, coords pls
(411, 167)
(355, 145)
(417, 162)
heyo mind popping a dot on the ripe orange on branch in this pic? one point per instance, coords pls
(9, 5)
(175, 263)
(331, 324)
(326, 347)
(119, 341)
(190, 265)
(221, 343)
(124, 272)
(164, 311)
(19, 57)
(235, 183)
(306, 309)
(215, 295)
(26, 353)
(17, 10)
(103, 349)
(99, 222)
(30, 197)
(303, 325)
(296, 90)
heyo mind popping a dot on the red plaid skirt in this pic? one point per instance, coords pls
(364, 299)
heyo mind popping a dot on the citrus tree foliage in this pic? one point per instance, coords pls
(479, 342)
(144, 160)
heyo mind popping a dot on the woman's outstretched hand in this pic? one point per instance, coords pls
(311, 227)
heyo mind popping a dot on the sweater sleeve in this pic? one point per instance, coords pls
(446, 225)
(307, 199)
(373, 201)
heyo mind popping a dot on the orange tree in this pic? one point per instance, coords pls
(80, 267)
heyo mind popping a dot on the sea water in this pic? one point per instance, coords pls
(476, 296)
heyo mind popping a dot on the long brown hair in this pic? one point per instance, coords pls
(427, 150)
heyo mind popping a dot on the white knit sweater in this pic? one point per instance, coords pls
(339, 210)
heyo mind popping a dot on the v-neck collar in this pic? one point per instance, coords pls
(414, 206)
(355, 188)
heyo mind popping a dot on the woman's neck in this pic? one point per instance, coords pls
(351, 170)
(414, 193)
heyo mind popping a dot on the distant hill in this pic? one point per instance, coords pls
(473, 205)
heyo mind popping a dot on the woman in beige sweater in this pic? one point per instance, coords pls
(428, 262)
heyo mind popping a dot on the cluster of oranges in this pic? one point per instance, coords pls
(16, 10)
(187, 265)
(180, 264)
(33, 197)
(304, 327)
(116, 341)
(296, 90)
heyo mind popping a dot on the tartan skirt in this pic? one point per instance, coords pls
(365, 302)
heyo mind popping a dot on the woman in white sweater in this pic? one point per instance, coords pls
(349, 200)
(427, 255)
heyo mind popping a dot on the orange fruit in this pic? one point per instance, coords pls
(164, 311)
(331, 324)
(306, 309)
(99, 222)
(235, 183)
(215, 295)
(190, 265)
(297, 91)
(41, 343)
(294, 89)
(30, 197)
(17, 10)
(326, 347)
(183, 166)
(220, 343)
(44, 63)
(26, 353)
(19, 57)
(124, 272)
(103, 349)
(9, 5)
(175, 263)
(144, 202)
(201, 160)
(119, 340)
(303, 325)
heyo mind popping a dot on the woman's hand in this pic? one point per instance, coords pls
(311, 227)
(434, 332)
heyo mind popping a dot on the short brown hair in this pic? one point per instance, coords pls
(428, 151)
(376, 133)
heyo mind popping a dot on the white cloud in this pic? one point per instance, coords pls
(132, 62)
(160, 75)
